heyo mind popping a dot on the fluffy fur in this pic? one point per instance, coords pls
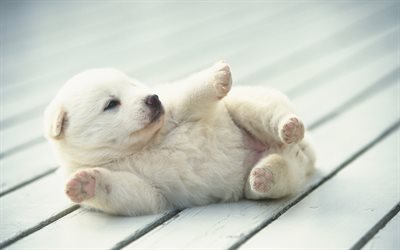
(127, 153)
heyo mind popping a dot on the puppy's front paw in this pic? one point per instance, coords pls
(291, 130)
(81, 186)
(222, 78)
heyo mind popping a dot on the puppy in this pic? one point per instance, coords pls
(130, 150)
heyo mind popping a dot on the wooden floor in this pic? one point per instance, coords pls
(339, 62)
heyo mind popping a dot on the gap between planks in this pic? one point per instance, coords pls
(375, 229)
(384, 82)
(39, 226)
(28, 181)
(22, 146)
(146, 229)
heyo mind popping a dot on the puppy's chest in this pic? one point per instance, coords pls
(197, 148)
(202, 143)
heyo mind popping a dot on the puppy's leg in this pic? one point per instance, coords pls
(278, 175)
(119, 193)
(200, 93)
(210, 84)
(270, 178)
(265, 113)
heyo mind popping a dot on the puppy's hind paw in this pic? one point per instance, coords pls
(81, 186)
(261, 180)
(291, 130)
(222, 78)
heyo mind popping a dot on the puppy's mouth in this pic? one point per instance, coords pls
(156, 114)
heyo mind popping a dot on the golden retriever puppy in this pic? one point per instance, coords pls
(132, 150)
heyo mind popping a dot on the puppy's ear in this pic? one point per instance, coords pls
(55, 119)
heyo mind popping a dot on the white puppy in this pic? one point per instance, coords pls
(132, 152)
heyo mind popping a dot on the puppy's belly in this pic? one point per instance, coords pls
(256, 149)
(201, 164)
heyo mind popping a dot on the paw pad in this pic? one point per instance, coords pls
(261, 180)
(292, 130)
(81, 186)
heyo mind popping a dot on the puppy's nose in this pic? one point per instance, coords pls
(153, 101)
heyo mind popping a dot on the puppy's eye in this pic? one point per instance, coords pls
(111, 104)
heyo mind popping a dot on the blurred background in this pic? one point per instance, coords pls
(295, 46)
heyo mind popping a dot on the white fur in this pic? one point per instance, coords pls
(204, 149)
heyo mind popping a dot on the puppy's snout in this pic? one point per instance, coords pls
(153, 101)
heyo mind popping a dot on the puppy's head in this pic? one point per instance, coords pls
(104, 110)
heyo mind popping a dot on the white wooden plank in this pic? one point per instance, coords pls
(82, 45)
(267, 53)
(21, 133)
(239, 72)
(334, 66)
(82, 19)
(86, 230)
(359, 129)
(346, 87)
(241, 218)
(229, 42)
(11, 103)
(152, 32)
(103, 31)
(362, 27)
(83, 42)
(25, 165)
(341, 211)
(232, 37)
(119, 56)
(264, 42)
(16, 136)
(142, 51)
(31, 205)
(20, 13)
(388, 237)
